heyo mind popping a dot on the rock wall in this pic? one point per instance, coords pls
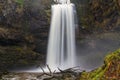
(98, 15)
(24, 26)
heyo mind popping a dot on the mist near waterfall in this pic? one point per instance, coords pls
(91, 50)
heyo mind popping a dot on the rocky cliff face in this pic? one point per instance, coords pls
(30, 17)
(99, 15)
(24, 26)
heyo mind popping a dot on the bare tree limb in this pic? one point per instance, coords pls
(49, 69)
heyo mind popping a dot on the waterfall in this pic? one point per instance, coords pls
(62, 1)
(61, 45)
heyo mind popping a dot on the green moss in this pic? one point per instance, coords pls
(48, 14)
(105, 72)
(21, 2)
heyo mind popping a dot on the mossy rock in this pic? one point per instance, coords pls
(109, 71)
(16, 55)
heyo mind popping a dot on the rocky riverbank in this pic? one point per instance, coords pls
(109, 71)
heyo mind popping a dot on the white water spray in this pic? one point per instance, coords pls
(61, 46)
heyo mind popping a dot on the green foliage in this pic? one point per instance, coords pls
(21, 2)
(108, 71)
(48, 14)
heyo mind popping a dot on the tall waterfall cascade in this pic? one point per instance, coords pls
(61, 45)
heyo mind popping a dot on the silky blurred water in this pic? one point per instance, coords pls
(61, 46)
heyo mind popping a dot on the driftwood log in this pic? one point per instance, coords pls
(68, 74)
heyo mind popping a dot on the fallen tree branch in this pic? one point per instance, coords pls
(49, 69)
(42, 70)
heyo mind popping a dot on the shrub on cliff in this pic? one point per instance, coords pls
(109, 71)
